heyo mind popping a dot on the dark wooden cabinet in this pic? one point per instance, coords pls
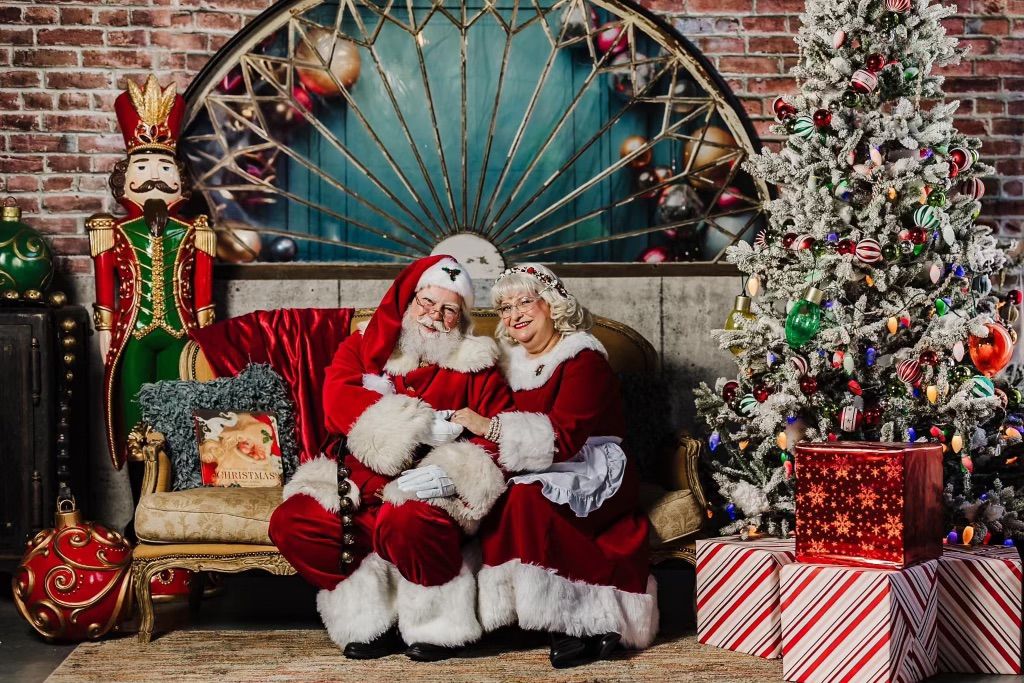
(44, 420)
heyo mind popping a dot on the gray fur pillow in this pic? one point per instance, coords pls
(167, 407)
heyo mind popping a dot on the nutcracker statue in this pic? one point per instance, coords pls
(153, 267)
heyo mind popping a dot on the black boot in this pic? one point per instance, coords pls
(425, 652)
(387, 643)
(602, 646)
(567, 651)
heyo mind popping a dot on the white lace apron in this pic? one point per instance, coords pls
(586, 480)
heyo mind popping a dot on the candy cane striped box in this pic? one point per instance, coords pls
(980, 608)
(738, 593)
(855, 624)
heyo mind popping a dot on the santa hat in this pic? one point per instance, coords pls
(382, 332)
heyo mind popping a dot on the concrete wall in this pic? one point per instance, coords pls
(673, 313)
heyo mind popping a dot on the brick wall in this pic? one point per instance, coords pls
(62, 63)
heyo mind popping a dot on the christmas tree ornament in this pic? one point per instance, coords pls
(637, 147)
(991, 354)
(343, 62)
(837, 359)
(799, 364)
(890, 20)
(730, 510)
(868, 251)
(754, 285)
(852, 99)
(863, 81)
(891, 194)
(941, 307)
(874, 62)
(801, 127)
(910, 74)
(967, 463)
(838, 38)
(237, 244)
(849, 419)
(704, 157)
(762, 392)
(929, 357)
(918, 236)
(898, 6)
(973, 188)
(783, 110)
(960, 374)
(26, 263)
(729, 390)
(959, 156)
(932, 393)
(656, 254)
(780, 441)
(846, 247)
(848, 366)
(612, 37)
(937, 198)
(804, 320)
(713, 441)
(871, 355)
(808, 385)
(743, 445)
(748, 404)
(282, 250)
(1012, 433)
(911, 434)
(892, 324)
(926, 217)
(822, 118)
(982, 387)
(890, 252)
(908, 371)
(1015, 297)
(678, 202)
(954, 171)
(648, 179)
(787, 467)
(854, 387)
(843, 191)
(968, 535)
(869, 281)
(958, 351)
(952, 538)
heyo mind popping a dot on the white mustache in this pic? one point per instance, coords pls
(428, 321)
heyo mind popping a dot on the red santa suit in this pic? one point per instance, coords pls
(379, 556)
(545, 567)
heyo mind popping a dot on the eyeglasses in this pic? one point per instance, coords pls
(521, 306)
(448, 313)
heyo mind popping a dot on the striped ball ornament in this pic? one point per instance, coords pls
(974, 188)
(909, 370)
(898, 6)
(864, 81)
(761, 240)
(868, 250)
(799, 364)
(982, 387)
(748, 404)
(802, 127)
(802, 241)
(926, 217)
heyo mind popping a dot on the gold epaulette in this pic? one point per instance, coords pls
(100, 227)
(206, 238)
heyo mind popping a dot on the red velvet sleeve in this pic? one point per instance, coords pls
(203, 280)
(345, 398)
(489, 395)
(587, 389)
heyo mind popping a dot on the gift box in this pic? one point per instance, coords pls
(980, 604)
(738, 593)
(857, 624)
(868, 504)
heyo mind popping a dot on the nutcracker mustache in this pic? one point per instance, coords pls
(155, 213)
(154, 184)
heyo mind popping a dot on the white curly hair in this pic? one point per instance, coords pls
(533, 279)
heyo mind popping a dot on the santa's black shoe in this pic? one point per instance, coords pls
(425, 652)
(567, 651)
(388, 643)
(604, 645)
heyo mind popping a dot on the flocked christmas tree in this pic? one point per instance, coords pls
(874, 319)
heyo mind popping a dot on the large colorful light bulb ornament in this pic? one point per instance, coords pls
(991, 354)
(738, 318)
(804, 319)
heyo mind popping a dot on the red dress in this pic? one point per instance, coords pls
(543, 567)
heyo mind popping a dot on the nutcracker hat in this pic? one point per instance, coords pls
(385, 327)
(150, 117)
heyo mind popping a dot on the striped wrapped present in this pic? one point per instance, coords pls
(738, 593)
(980, 604)
(855, 624)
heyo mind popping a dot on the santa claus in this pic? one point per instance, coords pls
(379, 526)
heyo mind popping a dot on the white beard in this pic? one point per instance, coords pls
(433, 349)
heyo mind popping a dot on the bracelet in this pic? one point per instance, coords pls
(494, 430)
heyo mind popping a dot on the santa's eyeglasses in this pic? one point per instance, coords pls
(448, 313)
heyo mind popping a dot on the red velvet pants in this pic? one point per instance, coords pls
(423, 542)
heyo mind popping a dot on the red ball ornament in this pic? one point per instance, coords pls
(822, 118)
(846, 247)
(783, 110)
(875, 62)
(929, 357)
(808, 385)
(762, 392)
(74, 581)
(873, 416)
(958, 156)
(787, 239)
(918, 235)
(612, 38)
(730, 390)
(655, 255)
(954, 171)
(1015, 297)
(992, 353)
(832, 436)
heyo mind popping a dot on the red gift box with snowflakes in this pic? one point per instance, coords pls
(980, 606)
(868, 504)
(856, 624)
(738, 593)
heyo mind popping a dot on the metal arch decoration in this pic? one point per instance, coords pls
(394, 182)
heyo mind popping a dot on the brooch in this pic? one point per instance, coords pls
(540, 369)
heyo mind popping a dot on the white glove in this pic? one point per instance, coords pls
(442, 431)
(427, 482)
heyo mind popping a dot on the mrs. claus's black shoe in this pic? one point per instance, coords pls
(388, 643)
(425, 652)
(567, 650)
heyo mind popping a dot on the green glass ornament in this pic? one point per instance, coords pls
(820, 248)
(895, 389)
(941, 307)
(851, 99)
(960, 374)
(804, 319)
(910, 74)
(829, 410)
(25, 260)
(918, 249)
(937, 198)
(890, 20)
(890, 252)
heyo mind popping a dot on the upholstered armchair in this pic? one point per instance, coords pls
(225, 529)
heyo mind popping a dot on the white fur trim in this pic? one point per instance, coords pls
(387, 433)
(379, 383)
(318, 479)
(362, 606)
(436, 276)
(542, 600)
(526, 443)
(478, 483)
(440, 615)
(523, 372)
(473, 354)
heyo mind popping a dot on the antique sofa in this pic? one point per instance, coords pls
(225, 529)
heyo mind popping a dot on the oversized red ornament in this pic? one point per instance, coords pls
(918, 235)
(74, 581)
(958, 156)
(808, 385)
(822, 118)
(846, 247)
(730, 390)
(875, 62)
(762, 392)
(954, 171)
(787, 239)
(929, 357)
(783, 110)
(992, 353)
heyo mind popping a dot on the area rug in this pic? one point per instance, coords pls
(299, 655)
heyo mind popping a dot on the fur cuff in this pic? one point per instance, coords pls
(539, 599)
(478, 483)
(362, 606)
(440, 615)
(387, 433)
(318, 479)
(527, 442)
